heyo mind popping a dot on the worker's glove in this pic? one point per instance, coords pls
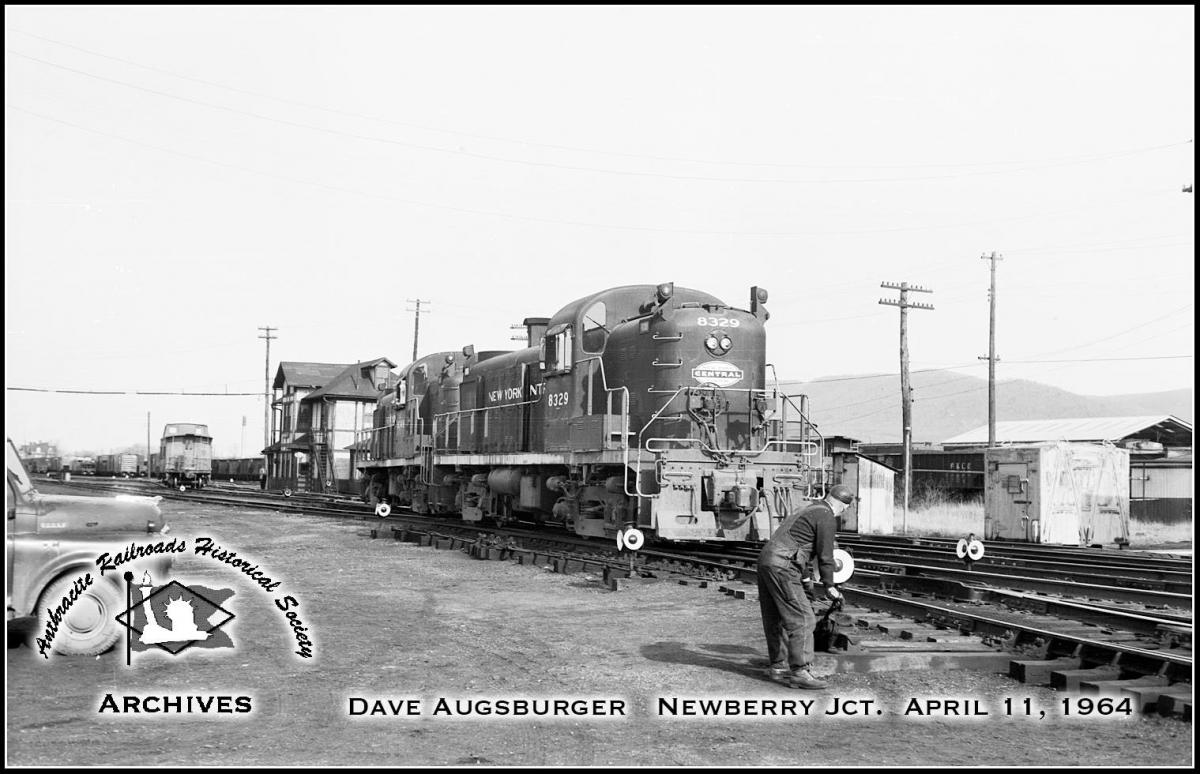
(834, 595)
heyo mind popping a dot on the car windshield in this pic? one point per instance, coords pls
(16, 471)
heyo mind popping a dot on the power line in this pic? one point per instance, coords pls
(137, 392)
(552, 221)
(565, 167)
(1120, 333)
(531, 143)
(1105, 359)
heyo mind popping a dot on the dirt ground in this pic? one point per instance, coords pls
(396, 621)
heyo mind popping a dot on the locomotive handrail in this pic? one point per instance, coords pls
(644, 443)
(437, 417)
(624, 424)
(804, 419)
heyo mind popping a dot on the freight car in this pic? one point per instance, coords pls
(185, 456)
(636, 411)
(42, 466)
(80, 466)
(126, 465)
(237, 468)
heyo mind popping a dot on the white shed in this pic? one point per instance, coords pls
(1065, 493)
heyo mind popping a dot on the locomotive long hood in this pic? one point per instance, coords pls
(74, 514)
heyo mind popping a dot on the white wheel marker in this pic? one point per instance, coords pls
(843, 565)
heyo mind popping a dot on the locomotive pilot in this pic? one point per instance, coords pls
(802, 539)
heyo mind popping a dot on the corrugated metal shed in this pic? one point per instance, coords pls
(1166, 429)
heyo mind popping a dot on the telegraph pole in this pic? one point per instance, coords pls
(417, 321)
(991, 358)
(905, 389)
(267, 386)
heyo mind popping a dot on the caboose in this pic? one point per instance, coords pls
(636, 409)
(185, 456)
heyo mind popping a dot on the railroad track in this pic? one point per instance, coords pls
(1133, 648)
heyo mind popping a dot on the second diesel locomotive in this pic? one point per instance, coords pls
(638, 409)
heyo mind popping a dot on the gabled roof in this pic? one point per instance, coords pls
(306, 374)
(351, 384)
(1168, 430)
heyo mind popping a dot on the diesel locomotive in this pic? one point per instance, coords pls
(635, 412)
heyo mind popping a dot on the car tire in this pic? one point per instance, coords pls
(90, 626)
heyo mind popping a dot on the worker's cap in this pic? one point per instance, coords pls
(842, 493)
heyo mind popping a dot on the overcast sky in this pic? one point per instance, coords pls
(177, 177)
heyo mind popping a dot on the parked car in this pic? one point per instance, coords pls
(53, 541)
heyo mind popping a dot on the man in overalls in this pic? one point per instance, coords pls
(804, 538)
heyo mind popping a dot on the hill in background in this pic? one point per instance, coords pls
(946, 403)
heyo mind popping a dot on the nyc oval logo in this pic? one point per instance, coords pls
(717, 372)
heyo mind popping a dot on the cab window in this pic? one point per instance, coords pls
(595, 331)
(556, 350)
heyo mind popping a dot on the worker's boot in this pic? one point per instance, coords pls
(802, 678)
(779, 674)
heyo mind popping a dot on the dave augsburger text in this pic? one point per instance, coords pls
(442, 706)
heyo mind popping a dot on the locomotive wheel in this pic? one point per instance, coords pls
(90, 626)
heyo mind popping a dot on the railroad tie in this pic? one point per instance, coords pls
(1038, 672)
(1111, 687)
(1147, 698)
(1069, 679)
(1175, 704)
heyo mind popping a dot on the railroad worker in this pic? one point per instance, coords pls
(262, 479)
(803, 539)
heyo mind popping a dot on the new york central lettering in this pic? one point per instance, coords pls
(515, 394)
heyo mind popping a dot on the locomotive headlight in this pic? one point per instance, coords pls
(717, 344)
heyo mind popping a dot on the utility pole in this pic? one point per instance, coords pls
(991, 358)
(147, 445)
(905, 389)
(267, 386)
(416, 321)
